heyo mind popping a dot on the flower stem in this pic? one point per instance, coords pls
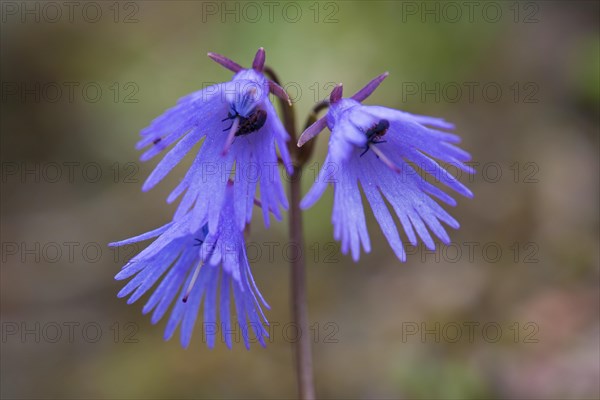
(304, 367)
(303, 354)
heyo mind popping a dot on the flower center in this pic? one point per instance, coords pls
(254, 122)
(249, 124)
(375, 133)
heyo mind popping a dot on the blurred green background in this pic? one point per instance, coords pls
(79, 83)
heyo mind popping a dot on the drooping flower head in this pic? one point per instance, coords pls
(241, 133)
(375, 146)
(192, 266)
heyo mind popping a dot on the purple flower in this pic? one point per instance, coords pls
(375, 146)
(190, 266)
(241, 131)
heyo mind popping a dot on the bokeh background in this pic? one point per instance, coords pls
(510, 310)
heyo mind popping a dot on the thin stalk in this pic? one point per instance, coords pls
(304, 365)
(303, 354)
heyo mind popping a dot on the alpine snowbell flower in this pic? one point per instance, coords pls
(241, 131)
(378, 147)
(192, 265)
